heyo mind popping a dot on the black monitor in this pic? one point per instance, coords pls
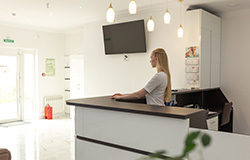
(128, 37)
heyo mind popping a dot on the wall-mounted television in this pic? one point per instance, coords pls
(128, 37)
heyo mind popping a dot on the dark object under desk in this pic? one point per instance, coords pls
(212, 99)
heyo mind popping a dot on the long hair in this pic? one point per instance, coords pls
(162, 65)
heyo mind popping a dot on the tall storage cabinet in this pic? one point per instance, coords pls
(203, 30)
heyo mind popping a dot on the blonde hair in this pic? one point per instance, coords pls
(162, 65)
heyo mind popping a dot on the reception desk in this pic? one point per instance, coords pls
(109, 129)
(212, 99)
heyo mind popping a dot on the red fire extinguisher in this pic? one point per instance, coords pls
(48, 112)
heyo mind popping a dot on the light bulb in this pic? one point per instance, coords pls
(167, 17)
(110, 15)
(151, 24)
(180, 32)
(132, 7)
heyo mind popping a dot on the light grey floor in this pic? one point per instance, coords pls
(40, 140)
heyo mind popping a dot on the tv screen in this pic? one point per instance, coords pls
(126, 37)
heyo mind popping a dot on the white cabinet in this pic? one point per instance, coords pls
(204, 32)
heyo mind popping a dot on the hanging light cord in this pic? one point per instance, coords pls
(180, 13)
(150, 5)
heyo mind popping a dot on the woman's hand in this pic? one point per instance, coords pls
(116, 96)
(136, 95)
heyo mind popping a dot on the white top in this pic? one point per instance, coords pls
(156, 89)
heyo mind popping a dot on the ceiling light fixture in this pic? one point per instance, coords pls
(110, 15)
(132, 7)
(150, 23)
(180, 30)
(167, 16)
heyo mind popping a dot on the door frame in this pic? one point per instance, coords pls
(24, 51)
(18, 86)
(20, 54)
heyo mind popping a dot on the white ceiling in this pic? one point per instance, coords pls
(66, 14)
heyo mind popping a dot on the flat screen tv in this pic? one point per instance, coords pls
(128, 37)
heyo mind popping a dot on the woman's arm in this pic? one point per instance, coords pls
(136, 95)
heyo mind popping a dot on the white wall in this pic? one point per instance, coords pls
(108, 74)
(74, 42)
(105, 75)
(48, 45)
(235, 66)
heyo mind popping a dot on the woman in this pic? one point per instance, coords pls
(158, 89)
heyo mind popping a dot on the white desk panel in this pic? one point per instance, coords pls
(144, 132)
(224, 146)
(92, 151)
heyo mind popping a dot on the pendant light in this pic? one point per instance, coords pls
(132, 7)
(150, 23)
(180, 30)
(167, 16)
(110, 15)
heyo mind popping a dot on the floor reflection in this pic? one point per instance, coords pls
(40, 140)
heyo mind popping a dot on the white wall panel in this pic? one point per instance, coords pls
(205, 72)
(226, 146)
(215, 59)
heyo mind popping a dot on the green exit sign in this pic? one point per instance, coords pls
(8, 41)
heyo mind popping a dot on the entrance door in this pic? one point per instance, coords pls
(28, 81)
(9, 87)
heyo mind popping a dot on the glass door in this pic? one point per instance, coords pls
(9, 87)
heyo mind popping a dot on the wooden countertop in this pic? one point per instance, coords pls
(106, 103)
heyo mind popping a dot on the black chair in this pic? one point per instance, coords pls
(225, 115)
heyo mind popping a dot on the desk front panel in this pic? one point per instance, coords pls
(143, 132)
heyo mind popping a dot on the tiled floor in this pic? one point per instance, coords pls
(40, 140)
